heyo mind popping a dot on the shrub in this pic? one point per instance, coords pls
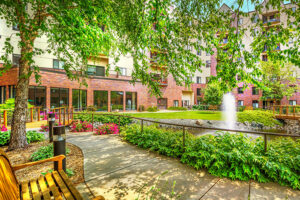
(200, 107)
(241, 108)
(235, 156)
(44, 153)
(91, 108)
(264, 117)
(141, 108)
(152, 109)
(110, 128)
(104, 119)
(81, 127)
(4, 138)
(177, 108)
(32, 136)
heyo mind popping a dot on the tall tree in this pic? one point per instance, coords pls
(279, 80)
(213, 94)
(80, 30)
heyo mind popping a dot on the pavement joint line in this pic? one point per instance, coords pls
(209, 189)
(119, 169)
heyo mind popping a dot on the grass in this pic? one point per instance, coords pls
(205, 115)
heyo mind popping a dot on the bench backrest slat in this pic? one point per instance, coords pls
(9, 187)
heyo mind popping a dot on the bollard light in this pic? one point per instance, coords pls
(59, 144)
(51, 121)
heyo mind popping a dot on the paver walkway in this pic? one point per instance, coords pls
(118, 170)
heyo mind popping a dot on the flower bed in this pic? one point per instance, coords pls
(3, 128)
(109, 128)
(45, 128)
(81, 127)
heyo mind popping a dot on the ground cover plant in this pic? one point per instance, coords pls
(44, 152)
(204, 115)
(85, 116)
(259, 116)
(32, 136)
(109, 128)
(234, 156)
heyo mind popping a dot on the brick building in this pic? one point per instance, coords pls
(115, 92)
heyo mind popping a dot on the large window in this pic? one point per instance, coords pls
(59, 97)
(292, 102)
(131, 100)
(175, 103)
(208, 64)
(198, 79)
(12, 91)
(198, 91)
(2, 94)
(101, 100)
(116, 100)
(240, 103)
(16, 59)
(96, 70)
(79, 99)
(37, 96)
(240, 90)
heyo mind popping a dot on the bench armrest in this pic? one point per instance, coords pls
(55, 158)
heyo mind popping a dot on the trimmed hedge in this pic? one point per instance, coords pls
(259, 116)
(235, 156)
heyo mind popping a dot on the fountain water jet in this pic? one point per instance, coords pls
(229, 110)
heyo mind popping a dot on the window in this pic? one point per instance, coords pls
(12, 91)
(131, 100)
(255, 19)
(255, 31)
(198, 79)
(57, 64)
(255, 104)
(208, 64)
(175, 103)
(199, 99)
(240, 21)
(15, 27)
(199, 52)
(79, 99)
(59, 97)
(207, 53)
(16, 59)
(293, 9)
(198, 91)
(240, 103)
(255, 91)
(240, 90)
(101, 100)
(293, 102)
(116, 101)
(2, 94)
(37, 96)
(123, 71)
(95, 70)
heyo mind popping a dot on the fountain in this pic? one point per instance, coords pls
(229, 110)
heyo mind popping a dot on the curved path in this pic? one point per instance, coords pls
(118, 170)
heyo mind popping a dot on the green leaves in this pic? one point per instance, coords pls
(235, 156)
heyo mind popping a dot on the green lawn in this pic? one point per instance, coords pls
(206, 115)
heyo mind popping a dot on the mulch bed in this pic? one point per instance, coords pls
(20, 156)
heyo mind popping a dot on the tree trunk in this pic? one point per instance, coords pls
(18, 127)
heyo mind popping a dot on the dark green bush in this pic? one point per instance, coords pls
(200, 107)
(103, 118)
(32, 136)
(259, 116)
(177, 108)
(152, 109)
(141, 108)
(235, 156)
(241, 108)
(44, 153)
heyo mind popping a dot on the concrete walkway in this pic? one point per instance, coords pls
(118, 170)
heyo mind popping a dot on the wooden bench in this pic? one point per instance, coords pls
(55, 185)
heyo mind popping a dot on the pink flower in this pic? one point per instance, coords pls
(109, 128)
(3, 128)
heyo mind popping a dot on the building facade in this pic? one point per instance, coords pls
(115, 92)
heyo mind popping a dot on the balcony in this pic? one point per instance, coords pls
(154, 61)
(270, 21)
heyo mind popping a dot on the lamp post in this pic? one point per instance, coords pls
(51, 121)
(59, 144)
